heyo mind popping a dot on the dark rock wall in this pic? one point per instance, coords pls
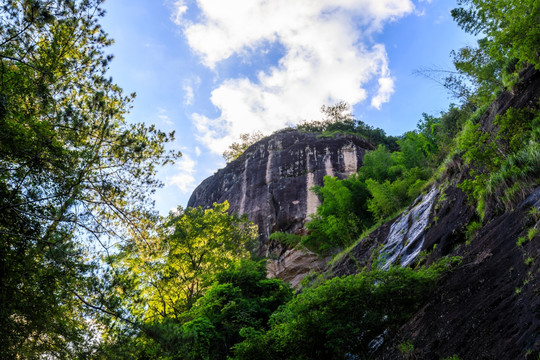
(270, 182)
(489, 307)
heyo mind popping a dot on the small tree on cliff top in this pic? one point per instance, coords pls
(237, 148)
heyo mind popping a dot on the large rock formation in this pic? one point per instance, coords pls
(271, 181)
(486, 308)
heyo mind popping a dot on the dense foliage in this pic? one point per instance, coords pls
(510, 27)
(501, 166)
(509, 38)
(386, 182)
(239, 297)
(504, 166)
(166, 275)
(338, 119)
(68, 164)
(343, 317)
(76, 179)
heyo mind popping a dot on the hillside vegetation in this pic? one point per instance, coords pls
(189, 286)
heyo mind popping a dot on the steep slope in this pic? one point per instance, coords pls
(489, 307)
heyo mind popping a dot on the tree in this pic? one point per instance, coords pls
(378, 165)
(510, 27)
(68, 165)
(238, 148)
(166, 276)
(341, 317)
(342, 215)
(337, 117)
(510, 41)
(241, 300)
(158, 282)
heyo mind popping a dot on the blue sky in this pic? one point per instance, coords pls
(214, 69)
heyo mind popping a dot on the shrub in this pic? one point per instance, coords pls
(340, 317)
(342, 215)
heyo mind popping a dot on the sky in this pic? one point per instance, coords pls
(212, 70)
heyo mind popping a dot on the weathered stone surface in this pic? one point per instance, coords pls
(271, 181)
(293, 265)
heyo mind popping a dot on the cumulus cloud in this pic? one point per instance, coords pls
(328, 56)
(184, 178)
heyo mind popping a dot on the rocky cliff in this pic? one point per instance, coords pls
(489, 307)
(271, 180)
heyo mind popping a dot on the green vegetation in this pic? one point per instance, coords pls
(167, 274)
(406, 348)
(68, 162)
(237, 148)
(509, 39)
(505, 166)
(338, 119)
(240, 299)
(340, 218)
(90, 271)
(472, 229)
(521, 240)
(387, 182)
(340, 317)
(509, 27)
(291, 240)
(453, 357)
(532, 233)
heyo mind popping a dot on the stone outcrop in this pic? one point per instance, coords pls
(271, 181)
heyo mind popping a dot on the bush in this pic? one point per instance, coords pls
(241, 298)
(341, 217)
(340, 317)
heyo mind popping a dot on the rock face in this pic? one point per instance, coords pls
(489, 307)
(271, 181)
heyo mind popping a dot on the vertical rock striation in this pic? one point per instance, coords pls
(271, 181)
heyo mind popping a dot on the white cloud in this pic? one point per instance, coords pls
(328, 56)
(184, 179)
(162, 115)
(188, 94)
(180, 9)
(190, 87)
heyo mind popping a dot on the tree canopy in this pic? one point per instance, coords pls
(73, 173)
